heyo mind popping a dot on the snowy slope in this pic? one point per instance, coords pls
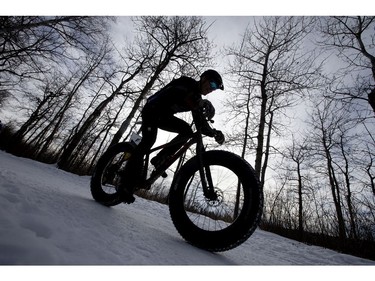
(49, 218)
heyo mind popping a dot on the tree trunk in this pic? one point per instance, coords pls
(335, 192)
(124, 126)
(300, 206)
(71, 145)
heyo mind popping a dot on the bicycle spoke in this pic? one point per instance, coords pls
(216, 214)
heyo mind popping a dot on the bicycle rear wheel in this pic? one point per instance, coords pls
(106, 177)
(227, 221)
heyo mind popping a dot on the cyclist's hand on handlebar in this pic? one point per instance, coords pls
(219, 137)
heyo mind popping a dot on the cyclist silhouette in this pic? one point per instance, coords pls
(180, 95)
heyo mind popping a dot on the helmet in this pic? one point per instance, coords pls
(215, 79)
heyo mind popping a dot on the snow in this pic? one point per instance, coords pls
(48, 217)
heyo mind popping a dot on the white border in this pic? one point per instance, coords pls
(189, 7)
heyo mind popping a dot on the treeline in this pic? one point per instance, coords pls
(306, 103)
(300, 104)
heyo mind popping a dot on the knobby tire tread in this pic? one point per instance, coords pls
(96, 185)
(245, 224)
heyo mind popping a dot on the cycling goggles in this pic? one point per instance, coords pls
(214, 85)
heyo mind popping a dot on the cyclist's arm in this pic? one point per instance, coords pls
(202, 115)
(201, 122)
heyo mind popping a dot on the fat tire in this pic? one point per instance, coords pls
(245, 223)
(96, 187)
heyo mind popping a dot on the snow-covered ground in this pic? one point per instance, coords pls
(48, 217)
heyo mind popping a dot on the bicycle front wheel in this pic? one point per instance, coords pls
(223, 222)
(106, 177)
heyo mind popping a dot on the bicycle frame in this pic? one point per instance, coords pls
(188, 142)
(195, 138)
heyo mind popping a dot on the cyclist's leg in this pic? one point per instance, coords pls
(175, 125)
(133, 171)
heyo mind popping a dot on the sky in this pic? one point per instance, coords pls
(48, 217)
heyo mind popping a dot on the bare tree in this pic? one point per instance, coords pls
(327, 120)
(370, 166)
(42, 107)
(38, 48)
(71, 144)
(87, 71)
(298, 152)
(354, 40)
(30, 44)
(61, 94)
(273, 69)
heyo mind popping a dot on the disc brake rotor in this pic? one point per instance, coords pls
(218, 198)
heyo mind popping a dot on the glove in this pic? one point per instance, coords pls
(219, 137)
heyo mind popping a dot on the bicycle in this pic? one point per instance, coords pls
(215, 200)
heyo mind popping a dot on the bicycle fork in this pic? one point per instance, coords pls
(205, 174)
